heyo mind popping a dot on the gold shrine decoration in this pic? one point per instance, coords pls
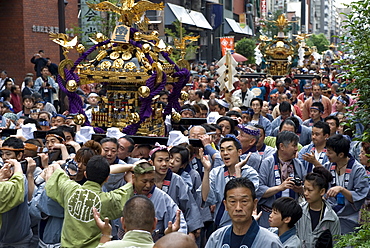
(278, 52)
(282, 22)
(129, 11)
(122, 69)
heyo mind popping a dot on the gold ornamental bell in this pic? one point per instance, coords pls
(176, 117)
(184, 96)
(71, 85)
(79, 119)
(144, 91)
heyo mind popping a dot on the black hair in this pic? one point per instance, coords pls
(183, 151)
(285, 138)
(67, 129)
(319, 105)
(231, 121)
(33, 121)
(332, 117)
(324, 126)
(339, 144)
(199, 93)
(58, 132)
(216, 126)
(131, 141)
(287, 80)
(97, 169)
(234, 140)
(109, 139)
(202, 106)
(285, 107)
(5, 94)
(320, 177)
(325, 77)
(28, 97)
(208, 127)
(35, 142)
(233, 112)
(240, 182)
(288, 207)
(133, 213)
(295, 120)
(13, 88)
(243, 108)
(150, 147)
(289, 123)
(259, 100)
(14, 143)
(163, 92)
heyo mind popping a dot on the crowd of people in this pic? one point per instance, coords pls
(275, 167)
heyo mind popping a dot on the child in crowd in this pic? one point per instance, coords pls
(319, 222)
(285, 213)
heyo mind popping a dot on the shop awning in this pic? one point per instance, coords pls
(173, 12)
(232, 26)
(200, 20)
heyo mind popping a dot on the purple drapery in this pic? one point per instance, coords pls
(183, 75)
(146, 109)
(75, 102)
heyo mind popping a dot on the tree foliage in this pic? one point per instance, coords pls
(320, 41)
(359, 239)
(357, 66)
(174, 33)
(246, 48)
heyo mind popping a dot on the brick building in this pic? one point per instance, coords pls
(24, 31)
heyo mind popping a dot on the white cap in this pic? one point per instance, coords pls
(84, 134)
(176, 138)
(213, 117)
(114, 132)
(28, 129)
(222, 103)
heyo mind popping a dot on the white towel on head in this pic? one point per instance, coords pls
(84, 134)
(176, 138)
(28, 129)
(213, 117)
(114, 132)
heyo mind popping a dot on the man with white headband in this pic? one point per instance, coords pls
(93, 100)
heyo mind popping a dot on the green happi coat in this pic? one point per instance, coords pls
(12, 193)
(79, 228)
